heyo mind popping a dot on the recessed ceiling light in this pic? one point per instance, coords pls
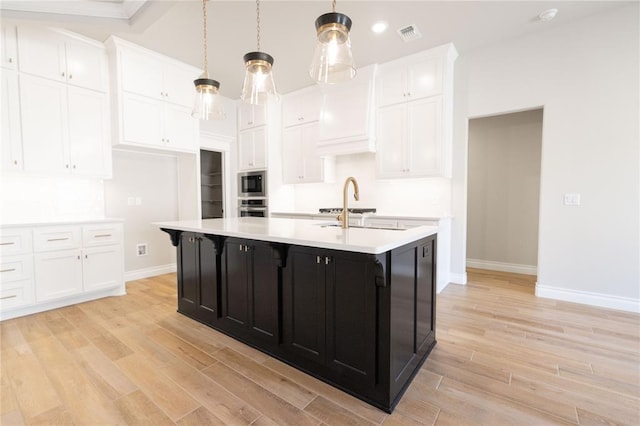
(548, 15)
(379, 27)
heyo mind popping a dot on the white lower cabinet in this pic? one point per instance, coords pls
(101, 267)
(58, 274)
(46, 267)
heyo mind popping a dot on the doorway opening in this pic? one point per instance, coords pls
(503, 192)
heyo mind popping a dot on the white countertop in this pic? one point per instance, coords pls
(305, 233)
(368, 215)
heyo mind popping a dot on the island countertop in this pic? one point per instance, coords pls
(302, 232)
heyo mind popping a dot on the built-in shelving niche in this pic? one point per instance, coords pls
(211, 184)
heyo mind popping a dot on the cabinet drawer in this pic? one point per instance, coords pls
(101, 235)
(15, 268)
(56, 238)
(15, 241)
(16, 296)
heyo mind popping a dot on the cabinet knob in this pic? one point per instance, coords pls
(318, 259)
(66, 166)
(10, 60)
(78, 257)
(70, 76)
(250, 122)
(74, 166)
(327, 260)
(63, 73)
(15, 162)
(86, 256)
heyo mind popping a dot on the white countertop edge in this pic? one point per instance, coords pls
(334, 238)
(62, 222)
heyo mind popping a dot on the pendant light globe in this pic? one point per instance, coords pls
(332, 60)
(207, 104)
(258, 87)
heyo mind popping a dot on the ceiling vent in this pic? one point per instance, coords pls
(409, 33)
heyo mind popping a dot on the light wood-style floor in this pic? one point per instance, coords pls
(504, 357)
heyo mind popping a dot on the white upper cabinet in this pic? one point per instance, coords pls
(65, 129)
(11, 133)
(302, 106)
(300, 162)
(347, 122)
(411, 78)
(63, 57)
(153, 96)
(8, 47)
(252, 149)
(414, 114)
(250, 116)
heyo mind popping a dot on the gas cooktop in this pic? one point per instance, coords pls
(338, 210)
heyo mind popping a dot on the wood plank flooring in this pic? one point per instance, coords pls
(504, 357)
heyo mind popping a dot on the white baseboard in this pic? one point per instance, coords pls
(139, 274)
(588, 298)
(458, 278)
(502, 267)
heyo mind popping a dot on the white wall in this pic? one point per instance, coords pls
(393, 197)
(504, 191)
(585, 74)
(27, 198)
(153, 179)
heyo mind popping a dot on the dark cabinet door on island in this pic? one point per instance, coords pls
(249, 290)
(329, 311)
(197, 277)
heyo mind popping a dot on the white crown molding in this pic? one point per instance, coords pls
(123, 10)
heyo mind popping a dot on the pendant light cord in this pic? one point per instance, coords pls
(334, 6)
(258, 22)
(204, 35)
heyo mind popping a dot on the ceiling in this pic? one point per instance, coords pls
(174, 28)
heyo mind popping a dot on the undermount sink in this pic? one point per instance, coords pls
(339, 225)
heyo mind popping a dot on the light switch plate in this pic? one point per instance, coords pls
(571, 199)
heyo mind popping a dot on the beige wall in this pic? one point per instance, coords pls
(153, 179)
(504, 188)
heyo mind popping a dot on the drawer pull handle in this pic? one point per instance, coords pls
(7, 244)
(102, 235)
(8, 270)
(8, 297)
(58, 239)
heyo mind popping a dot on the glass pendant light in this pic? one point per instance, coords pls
(258, 87)
(332, 60)
(207, 105)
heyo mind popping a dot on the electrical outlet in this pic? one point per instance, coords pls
(141, 249)
(571, 199)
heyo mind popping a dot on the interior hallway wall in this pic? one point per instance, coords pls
(144, 190)
(504, 191)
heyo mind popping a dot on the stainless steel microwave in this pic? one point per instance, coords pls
(252, 184)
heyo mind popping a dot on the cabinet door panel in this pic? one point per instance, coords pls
(89, 145)
(390, 136)
(86, 65)
(345, 112)
(180, 128)
(391, 85)
(8, 47)
(208, 297)
(424, 136)
(425, 324)
(235, 282)
(402, 313)
(424, 78)
(178, 85)
(292, 166)
(102, 267)
(11, 134)
(313, 163)
(41, 53)
(58, 274)
(351, 318)
(264, 303)
(301, 107)
(141, 74)
(188, 275)
(245, 150)
(142, 120)
(304, 305)
(260, 148)
(44, 129)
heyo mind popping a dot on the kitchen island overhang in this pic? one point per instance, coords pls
(354, 308)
